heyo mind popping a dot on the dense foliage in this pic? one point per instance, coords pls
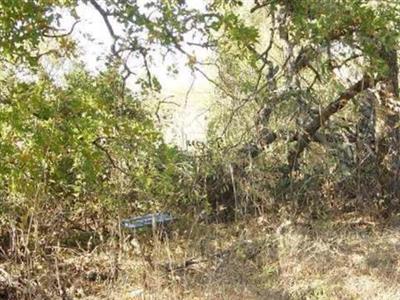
(304, 117)
(308, 108)
(321, 84)
(84, 149)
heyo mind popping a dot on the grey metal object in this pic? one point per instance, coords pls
(147, 221)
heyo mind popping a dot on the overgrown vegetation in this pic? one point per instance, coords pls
(304, 127)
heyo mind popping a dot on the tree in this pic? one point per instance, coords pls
(317, 58)
(323, 50)
(25, 25)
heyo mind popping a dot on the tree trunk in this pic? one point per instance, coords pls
(387, 134)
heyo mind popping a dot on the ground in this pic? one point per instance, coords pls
(350, 258)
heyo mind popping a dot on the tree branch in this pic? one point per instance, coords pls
(96, 143)
(258, 6)
(310, 130)
(63, 34)
(105, 16)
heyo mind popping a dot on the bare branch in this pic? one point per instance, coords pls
(309, 131)
(63, 34)
(258, 6)
(105, 16)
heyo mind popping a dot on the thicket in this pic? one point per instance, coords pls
(306, 118)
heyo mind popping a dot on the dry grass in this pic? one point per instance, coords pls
(255, 259)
